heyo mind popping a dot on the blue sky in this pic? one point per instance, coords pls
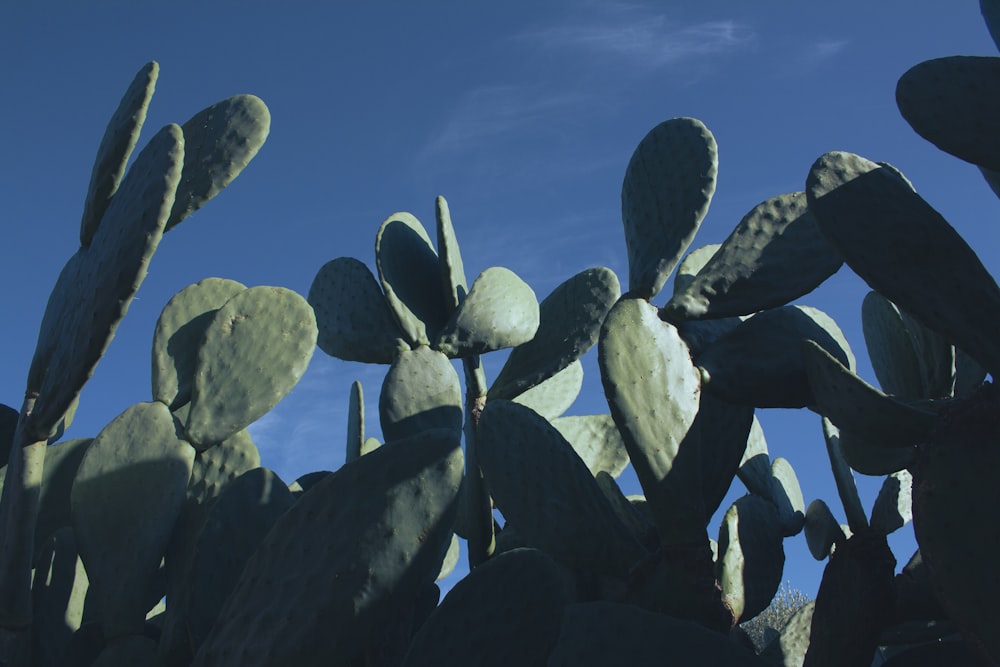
(522, 114)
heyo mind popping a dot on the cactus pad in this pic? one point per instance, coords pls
(219, 142)
(355, 323)
(421, 391)
(120, 138)
(775, 255)
(234, 385)
(668, 185)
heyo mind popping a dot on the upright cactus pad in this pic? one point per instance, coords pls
(97, 284)
(668, 186)
(120, 138)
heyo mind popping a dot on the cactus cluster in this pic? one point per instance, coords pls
(163, 541)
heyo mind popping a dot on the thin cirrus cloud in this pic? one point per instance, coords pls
(649, 42)
(491, 111)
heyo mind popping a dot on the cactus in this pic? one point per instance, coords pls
(339, 567)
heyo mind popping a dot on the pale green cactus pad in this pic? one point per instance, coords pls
(233, 384)
(668, 185)
(843, 477)
(555, 395)
(653, 391)
(596, 440)
(120, 138)
(219, 142)
(355, 423)
(500, 311)
(453, 279)
(178, 335)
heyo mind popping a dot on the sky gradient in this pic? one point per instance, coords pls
(523, 115)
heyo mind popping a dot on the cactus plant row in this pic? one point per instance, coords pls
(163, 541)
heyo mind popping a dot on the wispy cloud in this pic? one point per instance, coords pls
(488, 112)
(814, 55)
(646, 40)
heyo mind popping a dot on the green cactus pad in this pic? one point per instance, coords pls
(453, 279)
(178, 335)
(751, 556)
(870, 458)
(555, 395)
(653, 391)
(847, 488)
(759, 362)
(355, 423)
(854, 405)
(789, 648)
(58, 594)
(570, 319)
(954, 501)
(755, 466)
(421, 391)
(336, 566)
(128, 492)
(667, 188)
(120, 138)
(786, 494)
(450, 559)
(219, 142)
(890, 347)
(540, 485)
(724, 430)
(97, 284)
(936, 356)
(409, 271)
(355, 323)
(692, 264)
(217, 466)
(608, 633)
(990, 9)
(235, 526)
(775, 255)
(500, 311)
(954, 103)
(892, 509)
(8, 426)
(596, 440)
(62, 461)
(821, 529)
(255, 350)
(505, 612)
(906, 251)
